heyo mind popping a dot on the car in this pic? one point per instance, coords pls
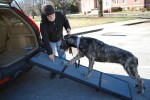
(19, 41)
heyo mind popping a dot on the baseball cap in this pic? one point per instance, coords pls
(48, 10)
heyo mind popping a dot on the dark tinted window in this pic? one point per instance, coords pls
(15, 21)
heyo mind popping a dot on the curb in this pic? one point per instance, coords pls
(100, 29)
(90, 31)
(136, 23)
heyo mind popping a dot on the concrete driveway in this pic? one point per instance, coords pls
(36, 84)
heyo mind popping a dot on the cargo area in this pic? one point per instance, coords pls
(17, 38)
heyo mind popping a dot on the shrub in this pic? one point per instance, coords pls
(116, 9)
(120, 9)
(73, 9)
(148, 8)
(105, 11)
(128, 9)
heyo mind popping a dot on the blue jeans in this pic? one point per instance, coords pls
(56, 46)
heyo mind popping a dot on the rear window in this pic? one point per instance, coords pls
(2, 23)
(15, 21)
(12, 19)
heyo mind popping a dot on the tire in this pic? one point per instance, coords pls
(29, 67)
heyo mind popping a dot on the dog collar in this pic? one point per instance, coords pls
(78, 42)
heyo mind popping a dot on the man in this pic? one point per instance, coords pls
(51, 28)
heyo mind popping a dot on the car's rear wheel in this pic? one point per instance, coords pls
(29, 67)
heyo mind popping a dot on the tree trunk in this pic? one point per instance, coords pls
(33, 11)
(100, 8)
(40, 8)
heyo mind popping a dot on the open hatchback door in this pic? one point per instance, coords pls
(19, 41)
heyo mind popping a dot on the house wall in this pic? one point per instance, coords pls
(129, 4)
(89, 5)
(107, 4)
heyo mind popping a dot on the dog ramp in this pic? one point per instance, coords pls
(98, 80)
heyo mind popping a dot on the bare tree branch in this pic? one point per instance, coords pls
(63, 4)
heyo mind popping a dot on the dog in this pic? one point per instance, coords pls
(96, 50)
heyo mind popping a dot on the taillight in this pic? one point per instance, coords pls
(4, 80)
(31, 21)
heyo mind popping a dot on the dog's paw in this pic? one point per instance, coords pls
(65, 63)
(140, 93)
(86, 75)
(136, 86)
(144, 87)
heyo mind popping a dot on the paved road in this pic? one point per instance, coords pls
(36, 84)
(134, 38)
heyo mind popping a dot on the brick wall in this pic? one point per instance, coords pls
(89, 5)
(129, 4)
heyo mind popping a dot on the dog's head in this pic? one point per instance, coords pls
(68, 41)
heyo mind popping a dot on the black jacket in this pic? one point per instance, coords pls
(53, 31)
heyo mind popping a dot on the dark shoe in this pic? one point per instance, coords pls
(53, 75)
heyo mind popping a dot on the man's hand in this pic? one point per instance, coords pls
(51, 57)
(68, 31)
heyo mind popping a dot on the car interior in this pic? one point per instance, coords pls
(17, 38)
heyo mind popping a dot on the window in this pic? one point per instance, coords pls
(115, 1)
(107, 2)
(1, 22)
(124, 1)
(136, 0)
(62, 0)
(15, 21)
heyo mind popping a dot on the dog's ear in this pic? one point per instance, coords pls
(66, 37)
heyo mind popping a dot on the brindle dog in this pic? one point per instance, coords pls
(96, 50)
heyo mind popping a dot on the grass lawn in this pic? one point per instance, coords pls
(77, 22)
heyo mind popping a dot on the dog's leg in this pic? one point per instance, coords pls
(72, 61)
(90, 68)
(132, 71)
